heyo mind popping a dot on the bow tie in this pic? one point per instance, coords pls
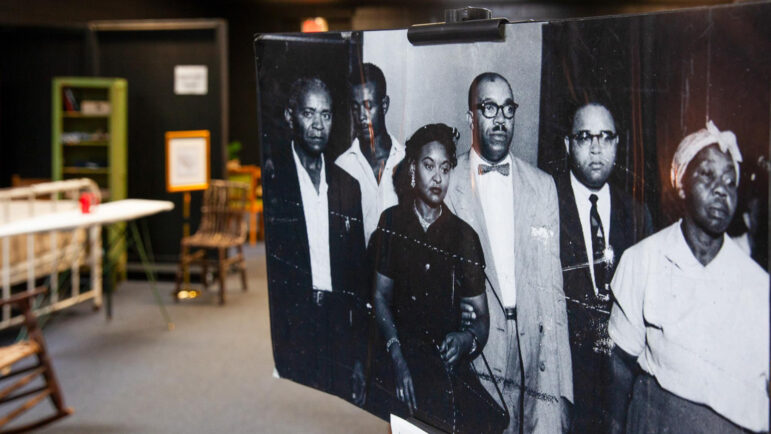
(503, 169)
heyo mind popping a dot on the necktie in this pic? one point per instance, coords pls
(503, 169)
(598, 249)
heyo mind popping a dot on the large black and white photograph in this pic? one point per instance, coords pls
(562, 231)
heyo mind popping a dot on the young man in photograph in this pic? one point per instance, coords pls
(374, 153)
(315, 249)
(598, 221)
(512, 206)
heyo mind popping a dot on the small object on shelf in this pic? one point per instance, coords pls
(81, 137)
(95, 107)
(90, 164)
(70, 103)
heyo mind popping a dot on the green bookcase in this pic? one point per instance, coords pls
(89, 140)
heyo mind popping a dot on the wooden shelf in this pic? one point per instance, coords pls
(89, 143)
(85, 170)
(92, 138)
(66, 114)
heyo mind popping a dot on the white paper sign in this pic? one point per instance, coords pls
(191, 80)
(188, 161)
(401, 426)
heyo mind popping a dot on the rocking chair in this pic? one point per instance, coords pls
(34, 345)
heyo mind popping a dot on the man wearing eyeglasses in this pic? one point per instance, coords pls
(598, 221)
(513, 208)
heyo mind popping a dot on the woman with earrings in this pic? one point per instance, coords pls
(427, 261)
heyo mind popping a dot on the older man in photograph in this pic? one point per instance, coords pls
(374, 153)
(512, 206)
(690, 319)
(598, 221)
(315, 246)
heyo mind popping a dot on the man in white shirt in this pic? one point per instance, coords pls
(513, 208)
(315, 249)
(691, 310)
(598, 221)
(374, 153)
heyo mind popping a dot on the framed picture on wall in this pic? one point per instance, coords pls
(187, 160)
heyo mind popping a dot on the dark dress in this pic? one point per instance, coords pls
(432, 270)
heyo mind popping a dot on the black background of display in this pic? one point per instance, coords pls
(663, 80)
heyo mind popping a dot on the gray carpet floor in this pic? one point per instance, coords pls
(213, 373)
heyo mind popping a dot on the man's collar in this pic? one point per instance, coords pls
(475, 159)
(582, 191)
(300, 164)
(396, 147)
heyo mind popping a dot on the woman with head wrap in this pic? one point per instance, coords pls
(691, 310)
(427, 262)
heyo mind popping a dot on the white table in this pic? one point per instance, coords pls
(127, 210)
(106, 213)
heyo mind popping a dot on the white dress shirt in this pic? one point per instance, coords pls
(584, 205)
(702, 331)
(375, 198)
(316, 210)
(496, 193)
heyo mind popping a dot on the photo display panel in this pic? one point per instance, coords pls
(562, 231)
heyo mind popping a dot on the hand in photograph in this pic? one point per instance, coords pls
(467, 315)
(454, 346)
(404, 387)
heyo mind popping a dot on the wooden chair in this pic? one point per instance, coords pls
(253, 176)
(34, 345)
(222, 227)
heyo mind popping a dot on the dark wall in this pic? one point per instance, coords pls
(147, 59)
(57, 12)
(31, 57)
(42, 39)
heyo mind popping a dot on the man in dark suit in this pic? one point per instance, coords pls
(598, 221)
(315, 252)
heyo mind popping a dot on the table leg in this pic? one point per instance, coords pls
(149, 272)
(108, 283)
(109, 280)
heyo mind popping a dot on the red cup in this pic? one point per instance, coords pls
(87, 200)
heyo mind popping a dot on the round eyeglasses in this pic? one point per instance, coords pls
(490, 109)
(585, 138)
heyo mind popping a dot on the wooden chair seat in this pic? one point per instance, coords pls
(223, 226)
(16, 352)
(212, 241)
